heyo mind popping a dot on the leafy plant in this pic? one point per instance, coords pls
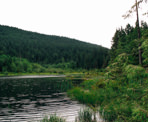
(134, 73)
(115, 69)
(145, 51)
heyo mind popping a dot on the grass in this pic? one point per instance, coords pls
(51, 71)
(124, 99)
(53, 118)
(84, 115)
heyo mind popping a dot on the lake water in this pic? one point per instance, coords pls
(29, 99)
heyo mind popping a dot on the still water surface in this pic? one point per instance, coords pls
(29, 99)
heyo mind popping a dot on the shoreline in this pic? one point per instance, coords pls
(30, 76)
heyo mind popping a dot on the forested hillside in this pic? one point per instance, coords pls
(49, 49)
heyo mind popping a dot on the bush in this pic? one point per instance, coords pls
(145, 52)
(134, 73)
(139, 115)
(115, 69)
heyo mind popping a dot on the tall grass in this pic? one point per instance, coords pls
(53, 118)
(85, 115)
(124, 99)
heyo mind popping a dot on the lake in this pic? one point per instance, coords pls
(30, 98)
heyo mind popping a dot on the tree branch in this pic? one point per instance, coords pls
(133, 9)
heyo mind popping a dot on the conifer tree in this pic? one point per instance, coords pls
(135, 7)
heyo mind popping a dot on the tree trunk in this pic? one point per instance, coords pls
(139, 34)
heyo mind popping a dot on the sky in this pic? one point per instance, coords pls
(93, 21)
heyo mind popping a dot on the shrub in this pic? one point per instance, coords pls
(139, 115)
(115, 69)
(134, 73)
(145, 52)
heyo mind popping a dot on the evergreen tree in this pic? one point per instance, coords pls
(135, 7)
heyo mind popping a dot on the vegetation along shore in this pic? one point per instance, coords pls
(116, 84)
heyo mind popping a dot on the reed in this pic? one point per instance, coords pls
(85, 115)
(53, 118)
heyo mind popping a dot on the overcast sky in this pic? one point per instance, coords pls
(93, 21)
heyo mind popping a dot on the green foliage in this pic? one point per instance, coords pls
(145, 51)
(88, 84)
(125, 88)
(122, 96)
(85, 115)
(134, 73)
(53, 118)
(4, 60)
(84, 96)
(65, 65)
(44, 49)
(122, 59)
(37, 68)
(120, 99)
(115, 69)
(139, 115)
(126, 41)
(14, 64)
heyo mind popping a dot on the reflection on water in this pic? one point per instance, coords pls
(29, 100)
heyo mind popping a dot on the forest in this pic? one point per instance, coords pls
(117, 92)
(24, 51)
(120, 92)
(126, 41)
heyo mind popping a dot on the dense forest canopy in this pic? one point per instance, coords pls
(49, 49)
(126, 41)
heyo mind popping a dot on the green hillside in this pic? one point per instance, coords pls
(49, 49)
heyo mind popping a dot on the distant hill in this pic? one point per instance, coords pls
(49, 49)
